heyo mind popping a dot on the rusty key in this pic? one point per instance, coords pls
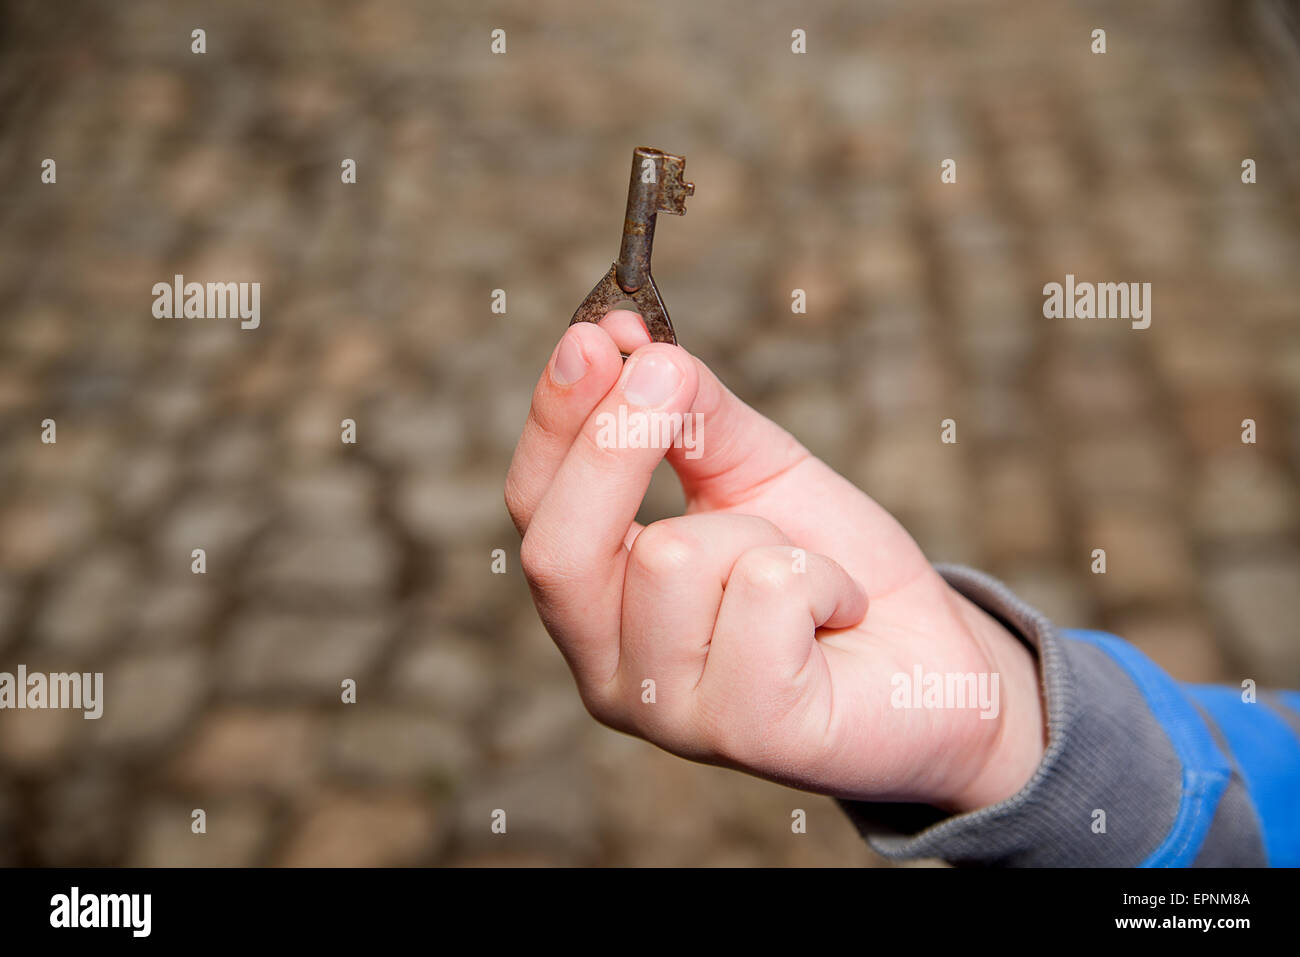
(657, 186)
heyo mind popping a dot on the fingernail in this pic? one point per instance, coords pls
(570, 363)
(652, 380)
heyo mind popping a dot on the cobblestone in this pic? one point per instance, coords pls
(38, 530)
(388, 744)
(74, 828)
(177, 611)
(389, 830)
(236, 835)
(244, 749)
(281, 652)
(352, 565)
(1260, 604)
(88, 606)
(37, 741)
(449, 673)
(147, 698)
(549, 806)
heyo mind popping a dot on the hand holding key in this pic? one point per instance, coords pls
(772, 615)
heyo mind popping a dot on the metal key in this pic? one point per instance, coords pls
(657, 186)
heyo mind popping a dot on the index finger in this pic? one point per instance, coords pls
(573, 551)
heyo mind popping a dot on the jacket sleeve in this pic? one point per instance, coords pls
(1139, 770)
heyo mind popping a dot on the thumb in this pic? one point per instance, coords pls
(734, 449)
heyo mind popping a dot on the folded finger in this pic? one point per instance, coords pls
(765, 639)
(671, 596)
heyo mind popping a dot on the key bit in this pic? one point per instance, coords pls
(658, 185)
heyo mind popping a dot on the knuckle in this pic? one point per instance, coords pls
(765, 571)
(529, 558)
(540, 561)
(768, 529)
(663, 551)
(602, 703)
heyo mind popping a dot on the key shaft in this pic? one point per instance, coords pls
(657, 185)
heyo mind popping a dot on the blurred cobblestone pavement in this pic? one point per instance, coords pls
(478, 172)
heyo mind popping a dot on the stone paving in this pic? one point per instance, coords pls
(480, 171)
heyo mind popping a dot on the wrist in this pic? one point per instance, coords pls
(1015, 747)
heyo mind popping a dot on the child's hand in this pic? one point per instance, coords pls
(756, 664)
